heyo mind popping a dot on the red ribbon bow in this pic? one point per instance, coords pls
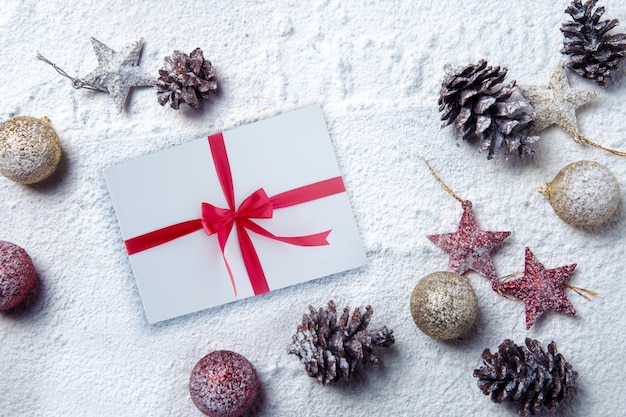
(220, 221)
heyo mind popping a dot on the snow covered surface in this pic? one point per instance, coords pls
(84, 347)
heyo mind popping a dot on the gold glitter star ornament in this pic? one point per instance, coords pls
(556, 104)
(116, 73)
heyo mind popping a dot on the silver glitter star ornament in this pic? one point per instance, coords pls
(116, 74)
(556, 104)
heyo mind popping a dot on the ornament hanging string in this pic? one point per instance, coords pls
(440, 181)
(76, 82)
(581, 139)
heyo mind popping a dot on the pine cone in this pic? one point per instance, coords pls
(185, 78)
(526, 374)
(331, 348)
(594, 54)
(483, 111)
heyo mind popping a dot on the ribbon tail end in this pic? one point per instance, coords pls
(230, 275)
(318, 239)
(324, 236)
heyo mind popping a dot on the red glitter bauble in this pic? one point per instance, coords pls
(223, 384)
(17, 275)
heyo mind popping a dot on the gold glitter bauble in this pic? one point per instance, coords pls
(584, 193)
(29, 149)
(443, 305)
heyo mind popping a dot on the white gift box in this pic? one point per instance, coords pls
(160, 193)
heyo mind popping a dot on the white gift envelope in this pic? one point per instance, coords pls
(237, 214)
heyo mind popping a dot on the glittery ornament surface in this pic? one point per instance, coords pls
(29, 149)
(444, 305)
(584, 193)
(557, 102)
(17, 275)
(469, 247)
(541, 289)
(117, 72)
(223, 384)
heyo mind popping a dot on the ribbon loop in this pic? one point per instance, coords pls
(256, 205)
(215, 218)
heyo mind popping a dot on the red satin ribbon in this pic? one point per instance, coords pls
(220, 221)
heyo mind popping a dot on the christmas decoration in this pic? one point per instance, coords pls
(223, 384)
(541, 289)
(557, 104)
(185, 78)
(331, 347)
(17, 275)
(593, 52)
(116, 74)
(469, 247)
(529, 375)
(482, 110)
(584, 193)
(29, 149)
(443, 305)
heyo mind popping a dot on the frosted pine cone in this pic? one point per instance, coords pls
(331, 347)
(185, 78)
(482, 110)
(526, 374)
(593, 53)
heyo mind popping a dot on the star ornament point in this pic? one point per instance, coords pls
(469, 247)
(117, 72)
(541, 289)
(556, 103)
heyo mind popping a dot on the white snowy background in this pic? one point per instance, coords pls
(84, 348)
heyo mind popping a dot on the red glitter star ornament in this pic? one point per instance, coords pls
(541, 289)
(469, 247)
